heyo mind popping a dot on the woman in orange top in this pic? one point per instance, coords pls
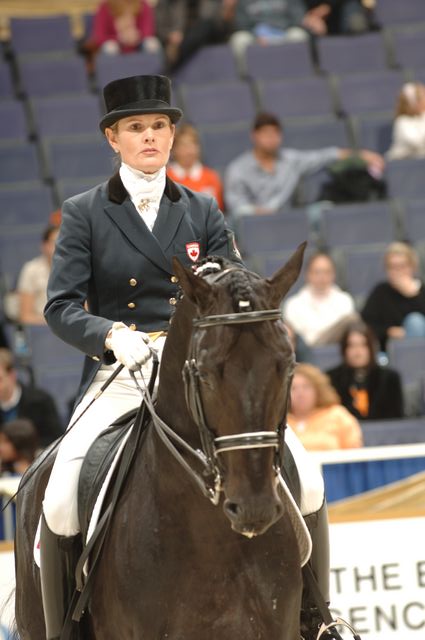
(317, 416)
(187, 169)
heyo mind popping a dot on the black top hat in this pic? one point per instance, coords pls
(137, 95)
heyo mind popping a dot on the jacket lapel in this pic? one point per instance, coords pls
(123, 213)
(169, 217)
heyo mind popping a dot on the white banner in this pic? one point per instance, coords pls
(7, 583)
(378, 577)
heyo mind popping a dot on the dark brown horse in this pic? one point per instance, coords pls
(173, 566)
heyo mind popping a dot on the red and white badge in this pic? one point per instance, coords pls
(193, 250)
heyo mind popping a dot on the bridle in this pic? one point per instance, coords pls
(212, 446)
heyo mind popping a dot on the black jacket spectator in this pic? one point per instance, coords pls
(39, 407)
(383, 386)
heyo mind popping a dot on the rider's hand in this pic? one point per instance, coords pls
(131, 348)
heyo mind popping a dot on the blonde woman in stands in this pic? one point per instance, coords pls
(32, 282)
(186, 166)
(316, 414)
(409, 124)
(124, 26)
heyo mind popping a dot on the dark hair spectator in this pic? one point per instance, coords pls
(368, 390)
(18, 446)
(21, 401)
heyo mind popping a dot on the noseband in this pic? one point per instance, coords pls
(211, 445)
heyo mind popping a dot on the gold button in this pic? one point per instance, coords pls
(95, 358)
(172, 301)
(133, 327)
(131, 305)
(132, 282)
(174, 279)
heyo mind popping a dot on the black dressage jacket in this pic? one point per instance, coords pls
(107, 256)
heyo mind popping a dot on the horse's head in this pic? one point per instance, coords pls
(238, 374)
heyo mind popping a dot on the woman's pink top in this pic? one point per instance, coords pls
(104, 25)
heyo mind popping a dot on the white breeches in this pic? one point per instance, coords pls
(60, 504)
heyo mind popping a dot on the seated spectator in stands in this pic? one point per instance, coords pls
(18, 446)
(316, 414)
(409, 124)
(396, 308)
(263, 180)
(124, 26)
(367, 390)
(20, 401)
(186, 166)
(320, 311)
(184, 27)
(32, 281)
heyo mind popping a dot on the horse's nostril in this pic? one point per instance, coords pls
(231, 508)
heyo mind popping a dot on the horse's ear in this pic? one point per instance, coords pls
(282, 280)
(197, 289)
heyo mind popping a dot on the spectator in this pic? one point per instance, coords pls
(184, 27)
(396, 308)
(124, 26)
(303, 353)
(367, 390)
(32, 282)
(186, 166)
(20, 401)
(18, 446)
(320, 311)
(263, 180)
(409, 124)
(316, 414)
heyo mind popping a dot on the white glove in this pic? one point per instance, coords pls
(131, 348)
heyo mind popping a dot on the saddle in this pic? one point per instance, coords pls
(97, 463)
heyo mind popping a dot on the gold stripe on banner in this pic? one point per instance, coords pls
(402, 499)
(6, 547)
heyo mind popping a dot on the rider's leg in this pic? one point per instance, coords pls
(58, 558)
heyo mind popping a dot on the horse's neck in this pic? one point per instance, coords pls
(171, 403)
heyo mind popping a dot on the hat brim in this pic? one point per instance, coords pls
(113, 116)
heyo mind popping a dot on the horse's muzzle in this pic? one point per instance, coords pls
(252, 517)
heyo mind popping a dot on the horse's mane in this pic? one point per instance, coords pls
(240, 280)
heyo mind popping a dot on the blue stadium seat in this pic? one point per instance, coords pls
(277, 232)
(65, 115)
(6, 86)
(13, 122)
(212, 63)
(373, 131)
(110, 68)
(297, 98)
(409, 48)
(18, 163)
(414, 220)
(25, 205)
(368, 92)
(316, 134)
(348, 54)
(18, 245)
(50, 352)
(310, 187)
(363, 269)
(220, 145)
(218, 103)
(381, 433)
(41, 35)
(357, 224)
(63, 385)
(405, 178)
(327, 356)
(407, 355)
(48, 76)
(78, 158)
(290, 60)
(66, 188)
(395, 13)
